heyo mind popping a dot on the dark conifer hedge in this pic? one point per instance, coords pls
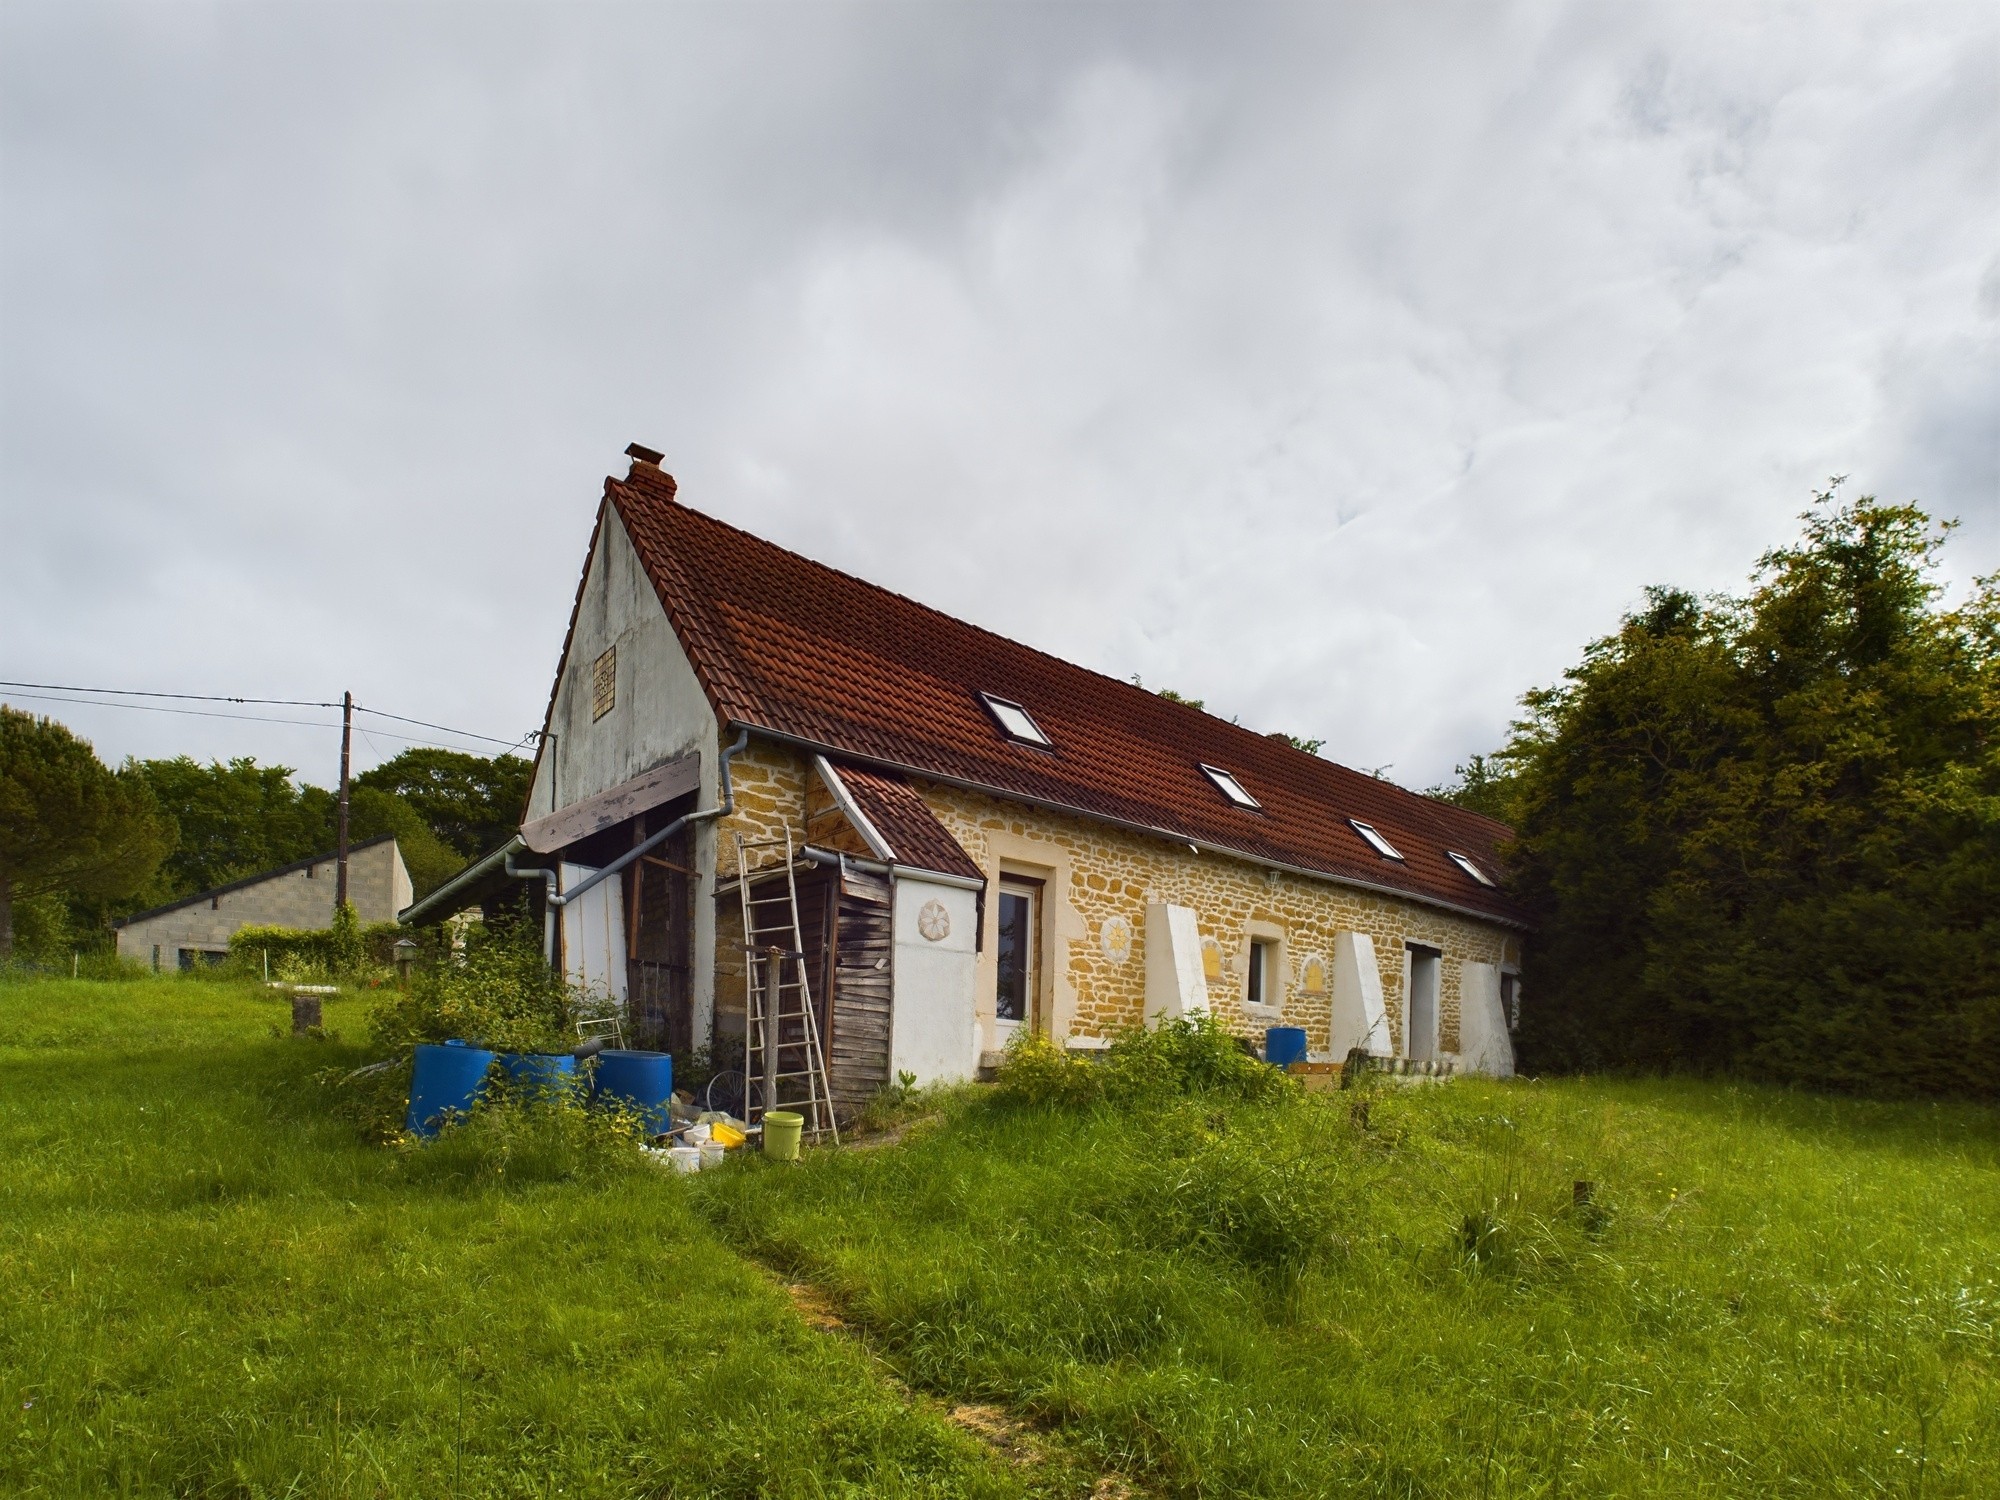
(1762, 834)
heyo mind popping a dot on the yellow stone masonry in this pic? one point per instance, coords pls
(1100, 882)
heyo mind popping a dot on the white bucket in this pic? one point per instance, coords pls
(712, 1154)
(685, 1158)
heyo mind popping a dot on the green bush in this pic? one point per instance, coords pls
(302, 955)
(497, 991)
(1181, 1058)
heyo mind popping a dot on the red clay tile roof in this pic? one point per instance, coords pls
(904, 820)
(800, 650)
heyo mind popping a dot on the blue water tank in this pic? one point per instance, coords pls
(1285, 1045)
(640, 1079)
(539, 1072)
(446, 1078)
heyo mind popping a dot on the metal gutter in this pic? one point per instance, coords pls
(890, 868)
(555, 897)
(477, 870)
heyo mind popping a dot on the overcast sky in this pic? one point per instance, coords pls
(1346, 367)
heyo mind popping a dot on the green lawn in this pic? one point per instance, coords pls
(209, 1286)
(1766, 1294)
(212, 1288)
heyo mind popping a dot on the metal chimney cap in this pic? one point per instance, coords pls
(644, 454)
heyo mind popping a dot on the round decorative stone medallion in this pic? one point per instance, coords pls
(933, 921)
(1116, 937)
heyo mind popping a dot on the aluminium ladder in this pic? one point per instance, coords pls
(784, 1065)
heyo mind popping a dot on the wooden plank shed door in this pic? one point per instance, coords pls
(845, 926)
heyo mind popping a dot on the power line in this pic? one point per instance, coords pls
(64, 687)
(201, 713)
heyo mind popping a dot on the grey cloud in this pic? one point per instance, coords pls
(1348, 367)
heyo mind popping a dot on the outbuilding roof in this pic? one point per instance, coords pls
(246, 881)
(806, 653)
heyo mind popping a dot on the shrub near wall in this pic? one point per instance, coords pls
(345, 948)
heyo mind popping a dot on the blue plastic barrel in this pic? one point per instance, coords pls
(539, 1072)
(445, 1078)
(1285, 1045)
(640, 1079)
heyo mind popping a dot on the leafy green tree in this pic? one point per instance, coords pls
(68, 822)
(1764, 833)
(235, 819)
(430, 860)
(1485, 784)
(471, 802)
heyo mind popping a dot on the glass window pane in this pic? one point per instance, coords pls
(1015, 720)
(1375, 840)
(1011, 1000)
(1230, 787)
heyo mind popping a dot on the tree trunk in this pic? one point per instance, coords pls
(6, 919)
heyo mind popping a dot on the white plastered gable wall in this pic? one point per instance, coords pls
(658, 712)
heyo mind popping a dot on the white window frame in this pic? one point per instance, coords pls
(1227, 784)
(1464, 862)
(1026, 732)
(1373, 838)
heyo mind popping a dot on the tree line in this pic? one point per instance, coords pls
(83, 844)
(1760, 833)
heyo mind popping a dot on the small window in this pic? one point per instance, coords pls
(1263, 988)
(1230, 787)
(604, 683)
(1375, 840)
(1469, 867)
(1014, 721)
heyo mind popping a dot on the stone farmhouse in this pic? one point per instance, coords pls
(197, 929)
(985, 838)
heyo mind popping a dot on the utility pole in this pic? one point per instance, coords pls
(340, 846)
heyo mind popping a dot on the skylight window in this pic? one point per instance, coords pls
(1468, 866)
(1014, 721)
(1375, 840)
(1230, 787)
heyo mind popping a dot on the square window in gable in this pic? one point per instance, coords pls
(1465, 864)
(1231, 788)
(1375, 840)
(1015, 721)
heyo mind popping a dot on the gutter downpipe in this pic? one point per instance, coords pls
(554, 898)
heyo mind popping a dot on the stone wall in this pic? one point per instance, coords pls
(1108, 878)
(1098, 884)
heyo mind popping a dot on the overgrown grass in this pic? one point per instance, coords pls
(213, 1287)
(1759, 1293)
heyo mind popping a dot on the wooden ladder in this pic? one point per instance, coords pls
(784, 1065)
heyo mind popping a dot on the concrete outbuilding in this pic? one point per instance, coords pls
(196, 930)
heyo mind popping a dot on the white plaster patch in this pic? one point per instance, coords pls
(1115, 936)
